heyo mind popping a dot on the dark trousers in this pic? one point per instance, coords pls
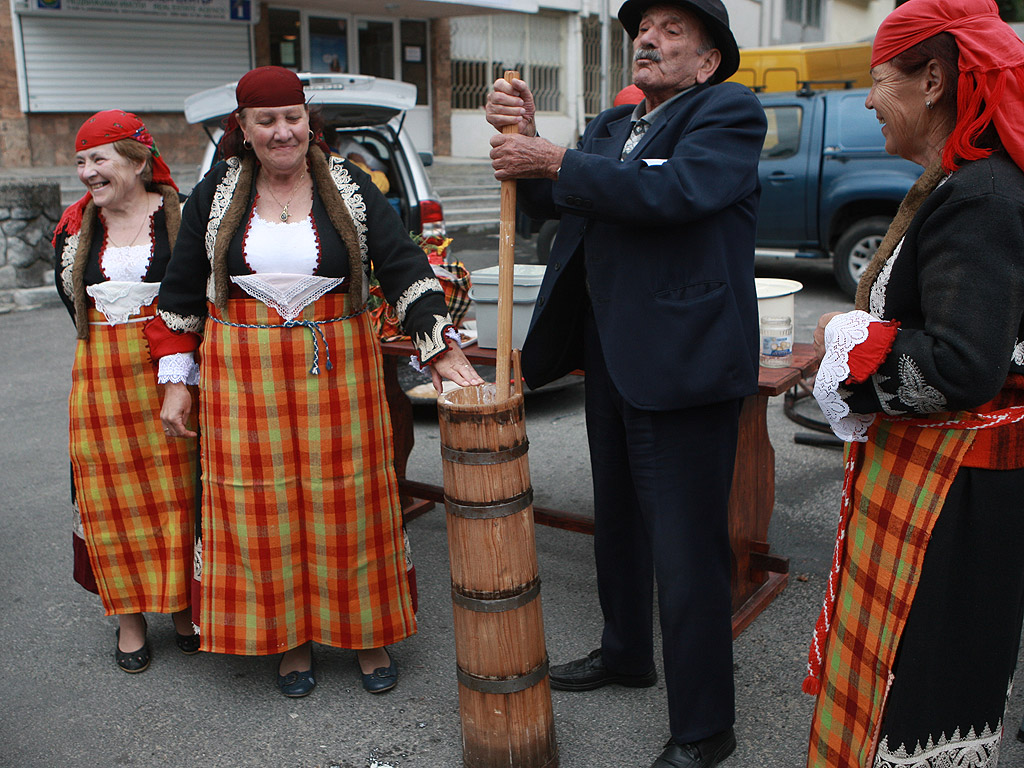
(661, 492)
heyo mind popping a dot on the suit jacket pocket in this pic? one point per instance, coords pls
(695, 293)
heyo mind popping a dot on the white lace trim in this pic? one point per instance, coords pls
(956, 751)
(76, 521)
(416, 290)
(197, 560)
(357, 207)
(876, 301)
(414, 360)
(288, 294)
(126, 263)
(119, 300)
(433, 344)
(842, 334)
(218, 207)
(281, 247)
(178, 368)
(1018, 353)
(915, 391)
(67, 263)
(182, 323)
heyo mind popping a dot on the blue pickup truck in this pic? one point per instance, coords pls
(828, 188)
(827, 185)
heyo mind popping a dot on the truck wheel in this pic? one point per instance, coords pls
(545, 237)
(855, 250)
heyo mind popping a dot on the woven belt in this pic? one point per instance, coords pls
(313, 326)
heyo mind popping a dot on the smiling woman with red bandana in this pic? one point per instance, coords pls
(915, 647)
(133, 488)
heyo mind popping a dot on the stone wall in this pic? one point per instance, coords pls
(29, 211)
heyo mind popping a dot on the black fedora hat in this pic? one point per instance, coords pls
(711, 12)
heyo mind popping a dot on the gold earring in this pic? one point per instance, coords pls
(246, 143)
(311, 135)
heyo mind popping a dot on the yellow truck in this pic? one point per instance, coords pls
(788, 67)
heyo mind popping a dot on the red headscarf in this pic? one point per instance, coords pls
(267, 87)
(106, 127)
(991, 84)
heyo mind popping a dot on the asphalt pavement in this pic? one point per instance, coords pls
(65, 703)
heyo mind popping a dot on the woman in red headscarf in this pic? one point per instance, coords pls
(133, 488)
(915, 648)
(301, 524)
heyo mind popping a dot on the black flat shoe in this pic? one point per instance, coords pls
(382, 678)
(295, 685)
(589, 673)
(706, 753)
(131, 662)
(187, 644)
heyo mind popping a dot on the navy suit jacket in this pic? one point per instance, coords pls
(664, 243)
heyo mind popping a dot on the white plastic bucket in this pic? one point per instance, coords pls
(775, 297)
(484, 293)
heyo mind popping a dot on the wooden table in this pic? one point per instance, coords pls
(758, 575)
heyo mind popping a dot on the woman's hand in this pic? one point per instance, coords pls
(454, 366)
(176, 409)
(819, 333)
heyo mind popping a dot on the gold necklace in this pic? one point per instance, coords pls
(130, 242)
(284, 208)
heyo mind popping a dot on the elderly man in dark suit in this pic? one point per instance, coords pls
(650, 289)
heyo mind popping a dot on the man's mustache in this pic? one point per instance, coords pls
(647, 53)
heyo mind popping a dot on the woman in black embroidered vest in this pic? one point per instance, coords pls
(301, 524)
(133, 489)
(915, 648)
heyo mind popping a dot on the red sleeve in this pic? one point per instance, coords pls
(866, 358)
(163, 341)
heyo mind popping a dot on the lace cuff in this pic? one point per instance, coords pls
(179, 368)
(842, 334)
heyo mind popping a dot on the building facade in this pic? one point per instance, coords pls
(61, 60)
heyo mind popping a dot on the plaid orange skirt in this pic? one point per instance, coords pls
(135, 487)
(301, 522)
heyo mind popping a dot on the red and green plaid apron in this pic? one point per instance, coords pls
(135, 487)
(896, 484)
(301, 523)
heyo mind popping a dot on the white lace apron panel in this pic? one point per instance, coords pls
(289, 294)
(120, 300)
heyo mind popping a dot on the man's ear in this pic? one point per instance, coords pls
(709, 65)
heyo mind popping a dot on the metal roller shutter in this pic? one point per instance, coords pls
(84, 65)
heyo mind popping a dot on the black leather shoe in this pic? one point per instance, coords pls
(589, 673)
(131, 661)
(382, 678)
(295, 685)
(187, 644)
(706, 753)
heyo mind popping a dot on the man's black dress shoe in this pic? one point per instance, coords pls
(589, 673)
(706, 753)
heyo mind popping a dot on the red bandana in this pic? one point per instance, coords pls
(991, 85)
(267, 87)
(105, 128)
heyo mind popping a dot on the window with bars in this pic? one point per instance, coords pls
(804, 12)
(483, 47)
(619, 63)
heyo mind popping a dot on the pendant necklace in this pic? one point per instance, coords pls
(284, 208)
(130, 242)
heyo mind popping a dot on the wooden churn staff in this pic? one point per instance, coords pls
(501, 658)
